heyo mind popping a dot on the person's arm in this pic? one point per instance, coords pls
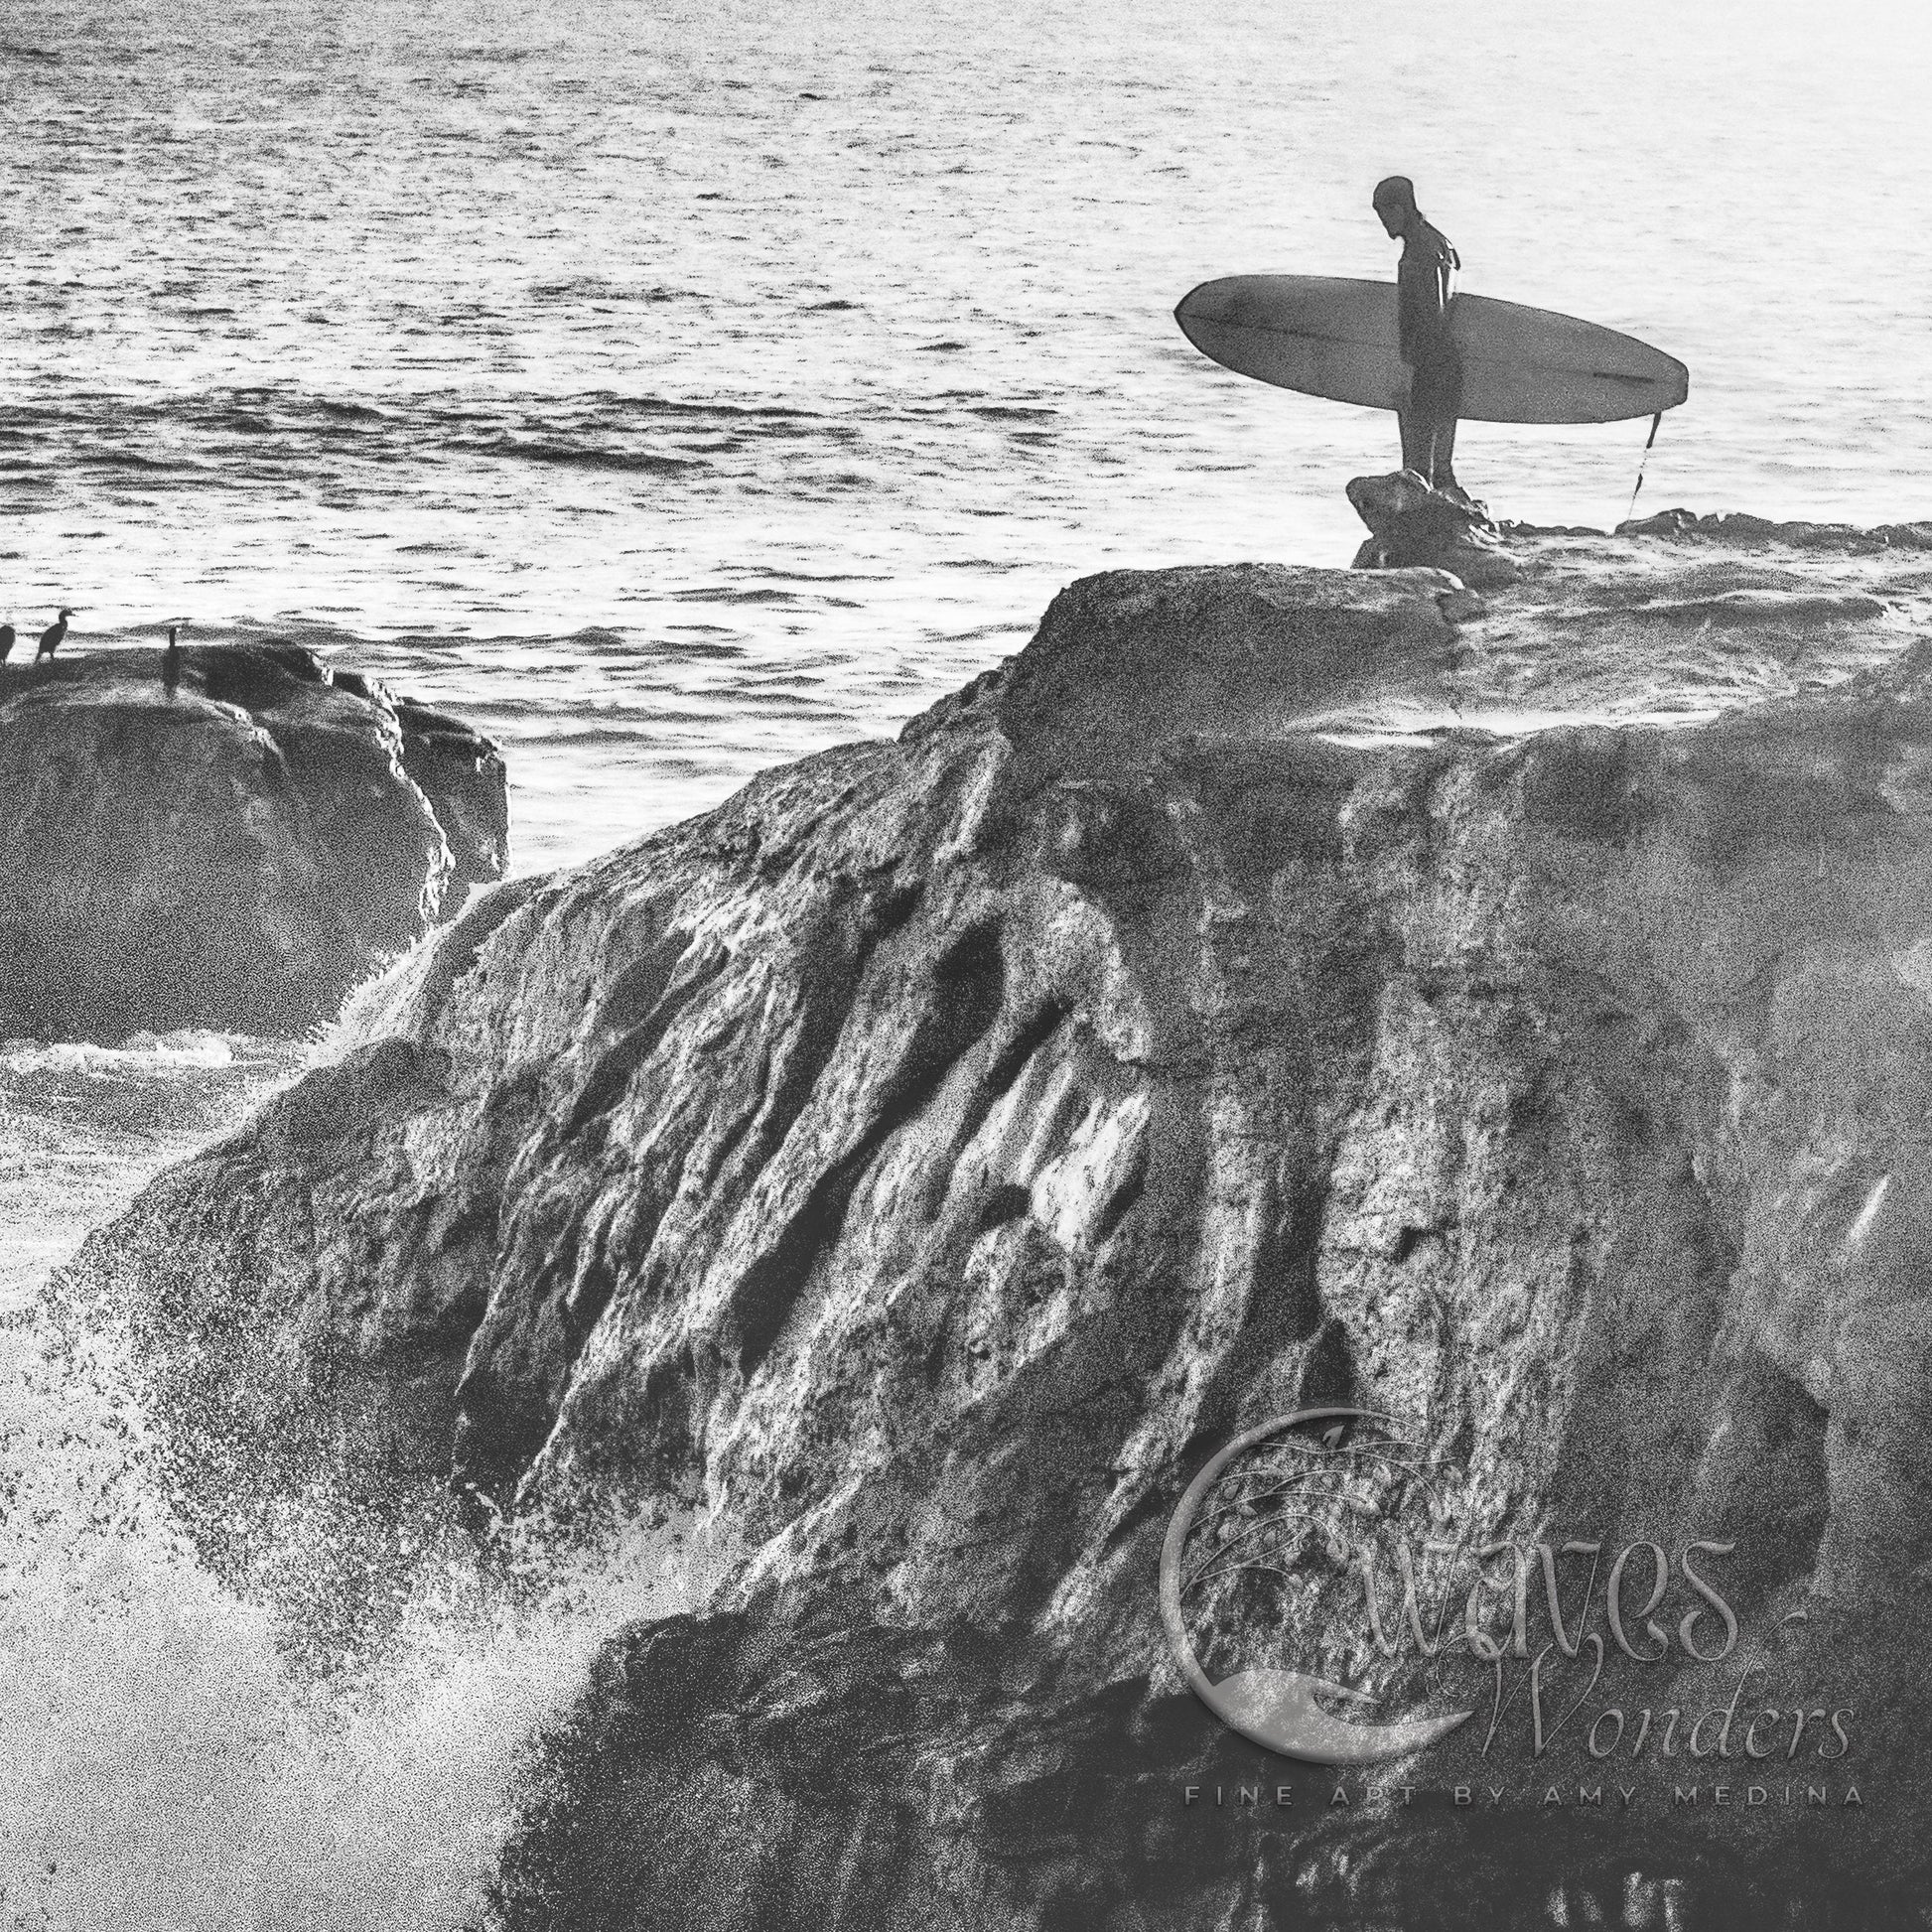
(1412, 300)
(1427, 285)
(1425, 281)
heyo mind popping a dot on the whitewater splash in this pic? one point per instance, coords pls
(179, 1758)
(173, 1763)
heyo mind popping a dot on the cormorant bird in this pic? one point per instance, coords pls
(171, 662)
(52, 635)
(6, 641)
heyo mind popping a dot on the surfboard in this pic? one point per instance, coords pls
(1332, 335)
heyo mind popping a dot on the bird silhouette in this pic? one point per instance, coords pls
(52, 635)
(6, 641)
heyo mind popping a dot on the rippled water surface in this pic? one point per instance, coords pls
(671, 391)
(675, 389)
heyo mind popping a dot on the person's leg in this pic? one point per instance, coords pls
(1418, 443)
(1435, 397)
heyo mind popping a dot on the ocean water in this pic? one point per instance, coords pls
(670, 390)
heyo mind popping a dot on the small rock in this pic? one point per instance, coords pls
(1410, 524)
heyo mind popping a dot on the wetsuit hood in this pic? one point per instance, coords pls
(1395, 190)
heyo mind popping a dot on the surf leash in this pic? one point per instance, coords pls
(1656, 423)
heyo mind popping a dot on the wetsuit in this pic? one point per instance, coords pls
(1425, 284)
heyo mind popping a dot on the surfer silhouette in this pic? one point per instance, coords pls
(1424, 286)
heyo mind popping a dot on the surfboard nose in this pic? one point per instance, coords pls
(1207, 298)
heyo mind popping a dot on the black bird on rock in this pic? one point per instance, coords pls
(6, 641)
(52, 635)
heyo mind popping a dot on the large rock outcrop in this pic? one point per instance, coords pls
(1271, 987)
(230, 842)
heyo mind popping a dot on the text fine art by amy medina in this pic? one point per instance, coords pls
(965, 969)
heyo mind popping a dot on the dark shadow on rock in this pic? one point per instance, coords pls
(830, 1773)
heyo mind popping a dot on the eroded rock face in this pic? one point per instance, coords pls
(926, 1159)
(233, 848)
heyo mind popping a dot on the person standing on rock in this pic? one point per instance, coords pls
(1424, 286)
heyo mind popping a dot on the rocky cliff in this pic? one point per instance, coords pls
(1274, 987)
(230, 840)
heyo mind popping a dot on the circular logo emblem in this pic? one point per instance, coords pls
(1309, 1536)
